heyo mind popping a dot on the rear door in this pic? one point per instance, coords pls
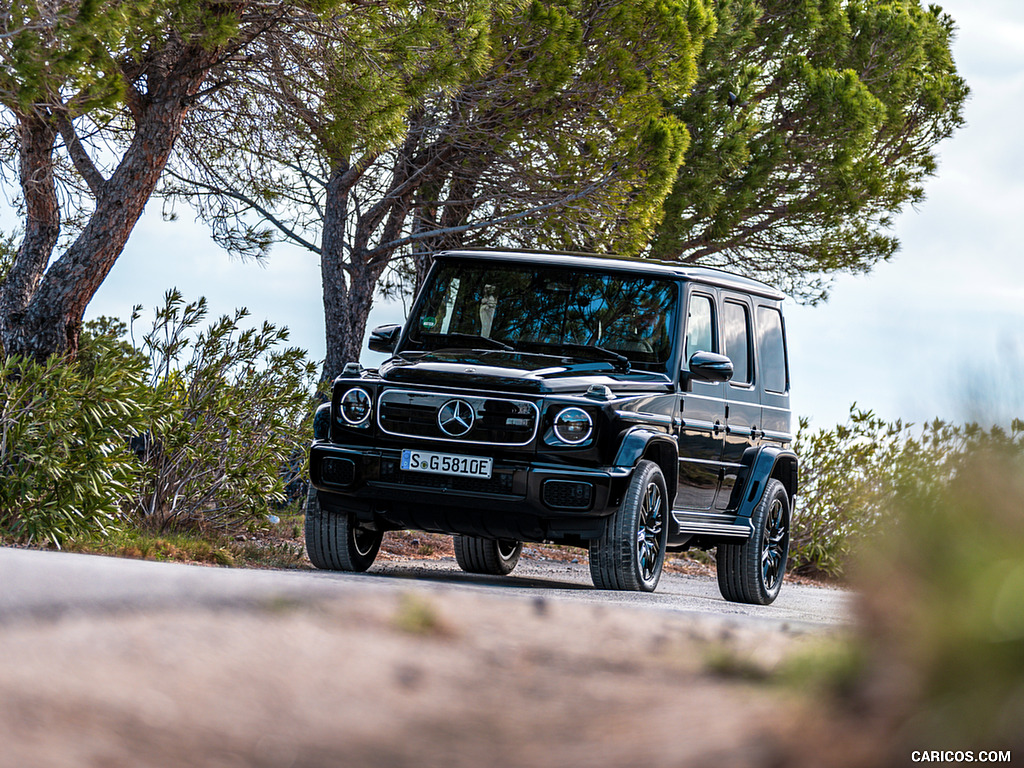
(742, 400)
(776, 419)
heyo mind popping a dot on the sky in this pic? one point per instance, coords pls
(936, 332)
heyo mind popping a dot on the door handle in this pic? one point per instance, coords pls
(718, 427)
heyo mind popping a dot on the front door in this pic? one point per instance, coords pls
(701, 431)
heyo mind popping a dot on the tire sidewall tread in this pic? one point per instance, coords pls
(475, 554)
(613, 561)
(330, 545)
(739, 565)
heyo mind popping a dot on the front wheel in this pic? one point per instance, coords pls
(335, 541)
(630, 553)
(495, 557)
(752, 571)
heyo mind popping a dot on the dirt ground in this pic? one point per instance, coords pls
(399, 546)
(411, 679)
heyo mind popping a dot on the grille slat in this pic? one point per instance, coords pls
(496, 421)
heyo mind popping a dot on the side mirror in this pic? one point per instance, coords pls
(383, 338)
(711, 367)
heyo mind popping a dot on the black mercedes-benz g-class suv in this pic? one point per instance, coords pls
(629, 407)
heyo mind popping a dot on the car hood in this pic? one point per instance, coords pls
(516, 372)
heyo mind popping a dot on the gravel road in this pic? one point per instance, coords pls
(53, 583)
(109, 662)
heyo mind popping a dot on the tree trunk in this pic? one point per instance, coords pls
(41, 315)
(36, 136)
(344, 285)
(350, 283)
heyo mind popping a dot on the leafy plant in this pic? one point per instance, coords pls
(65, 467)
(849, 476)
(230, 411)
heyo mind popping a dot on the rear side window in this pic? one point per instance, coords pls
(699, 326)
(736, 325)
(771, 347)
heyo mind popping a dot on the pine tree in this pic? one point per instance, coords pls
(529, 123)
(814, 122)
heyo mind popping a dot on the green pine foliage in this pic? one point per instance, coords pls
(813, 123)
(75, 53)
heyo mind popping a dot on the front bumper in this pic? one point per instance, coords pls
(522, 499)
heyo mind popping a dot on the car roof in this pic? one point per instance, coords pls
(716, 277)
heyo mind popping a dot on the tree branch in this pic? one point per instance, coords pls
(245, 199)
(80, 157)
(387, 248)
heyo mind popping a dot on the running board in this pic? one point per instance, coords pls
(713, 529)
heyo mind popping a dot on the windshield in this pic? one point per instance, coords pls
(547, 310)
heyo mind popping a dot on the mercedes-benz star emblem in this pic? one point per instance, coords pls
(455, 418)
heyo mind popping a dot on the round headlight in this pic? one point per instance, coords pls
(573, 425)
(355, 406)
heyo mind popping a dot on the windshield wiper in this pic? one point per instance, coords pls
(603, 353)
(484, 341)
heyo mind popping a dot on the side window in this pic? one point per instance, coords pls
(699, 327)
(736, 327)
(771, 345)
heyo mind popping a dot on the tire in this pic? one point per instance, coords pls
(335, 542)
(752, 572)
(631, 552)
(490, 556)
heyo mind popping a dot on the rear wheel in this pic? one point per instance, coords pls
(496, 557)
(752, 571)
(335, 541)
(630, 554)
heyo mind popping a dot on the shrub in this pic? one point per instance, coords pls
(849, 476)
(65, 468)
(230, 411)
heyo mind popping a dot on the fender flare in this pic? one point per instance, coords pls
(767, 462)
(641, 442)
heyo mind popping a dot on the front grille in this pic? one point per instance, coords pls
(496, 421)
(500, 483)
(337, 471)
(567, 494)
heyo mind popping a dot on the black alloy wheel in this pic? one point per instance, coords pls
(631, 552)
(752, 570)
(648, 534)
(774, 545)
(335, 541)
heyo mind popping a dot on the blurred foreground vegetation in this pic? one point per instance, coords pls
(935, 662)
(942, 619)
(854, 476)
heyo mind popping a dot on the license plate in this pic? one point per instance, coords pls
(446, 464)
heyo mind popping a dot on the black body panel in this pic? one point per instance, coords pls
(511, 436)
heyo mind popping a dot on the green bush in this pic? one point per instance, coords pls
(849, 476)
(230, 412)
(191, 429)
(65, 468)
